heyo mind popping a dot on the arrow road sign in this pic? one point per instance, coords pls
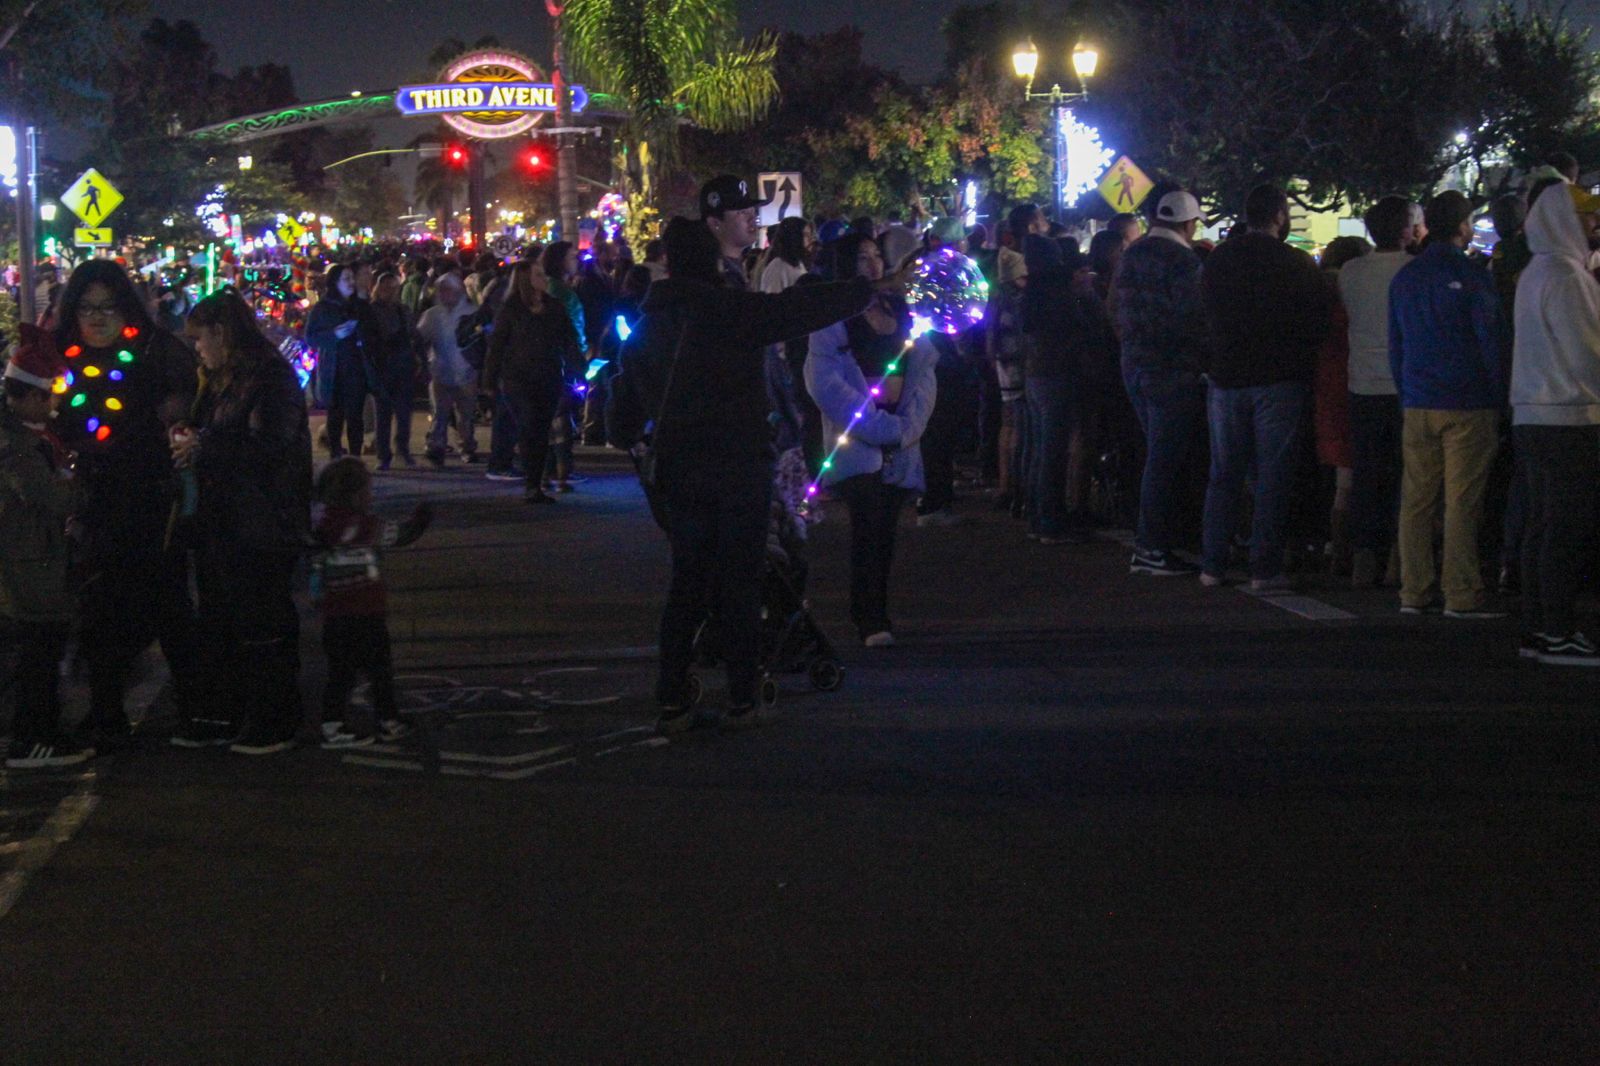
(92, 238)
(785, 191)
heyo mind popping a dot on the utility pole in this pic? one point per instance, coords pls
(27, 221)
(566, 162)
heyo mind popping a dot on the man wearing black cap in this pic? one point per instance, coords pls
(697, 360)
(729, 211)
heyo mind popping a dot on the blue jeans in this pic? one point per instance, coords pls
(1258, 426)
(1170, 405)
(1050, 419)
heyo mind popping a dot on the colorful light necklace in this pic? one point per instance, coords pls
(87, 402)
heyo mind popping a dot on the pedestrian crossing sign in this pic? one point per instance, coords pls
(290, 232)
(92, 198)
(91, 237)
(1125, 186)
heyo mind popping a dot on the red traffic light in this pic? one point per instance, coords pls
(534, 159)
(455, 155)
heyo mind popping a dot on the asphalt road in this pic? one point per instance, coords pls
(1074, 817)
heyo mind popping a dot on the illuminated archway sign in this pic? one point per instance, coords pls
(488, 95)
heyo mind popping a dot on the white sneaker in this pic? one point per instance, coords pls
(945, 517)
(884, 639)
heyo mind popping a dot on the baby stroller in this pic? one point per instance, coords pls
(791, 640)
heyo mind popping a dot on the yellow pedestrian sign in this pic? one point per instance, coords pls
(92, 198)
(92, 238)
(1125, 186)
(290, 232)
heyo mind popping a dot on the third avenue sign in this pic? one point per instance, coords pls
(488, 94)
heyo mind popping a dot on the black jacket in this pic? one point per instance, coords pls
(1268, 310)
(717, 415)
(254, 463)
(529, 350)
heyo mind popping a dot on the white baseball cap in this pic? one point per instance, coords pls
(1177, 207)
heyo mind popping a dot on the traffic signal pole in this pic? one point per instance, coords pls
(475, 194)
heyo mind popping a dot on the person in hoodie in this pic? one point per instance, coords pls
(698, 364)
(878, 464)
(1555, 414)
(1444, 353)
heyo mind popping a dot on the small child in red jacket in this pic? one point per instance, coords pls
(348, 586)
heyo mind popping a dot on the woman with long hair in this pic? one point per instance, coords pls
(877, 466)
(787, 263)
(532, 352)
(250, 449)
(340, 331)
(135, 379)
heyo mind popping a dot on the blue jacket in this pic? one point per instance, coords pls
(1444, 333)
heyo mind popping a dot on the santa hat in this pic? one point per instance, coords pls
(35, 360)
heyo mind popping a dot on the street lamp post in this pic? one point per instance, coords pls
(1085, 60)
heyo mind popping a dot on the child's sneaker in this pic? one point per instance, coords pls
(392, 729)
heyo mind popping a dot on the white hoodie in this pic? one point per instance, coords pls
(1555, 374)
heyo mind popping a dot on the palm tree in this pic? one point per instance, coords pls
(671, 61)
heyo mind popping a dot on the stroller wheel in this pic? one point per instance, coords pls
(769, 691)
(697, 690)
(826, 675)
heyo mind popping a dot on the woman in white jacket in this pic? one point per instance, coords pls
(876, 421)
(1555, 405)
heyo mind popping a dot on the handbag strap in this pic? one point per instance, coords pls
(666, 390)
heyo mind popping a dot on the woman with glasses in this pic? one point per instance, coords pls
(134, 380)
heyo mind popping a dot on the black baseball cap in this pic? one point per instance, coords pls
(726, 193)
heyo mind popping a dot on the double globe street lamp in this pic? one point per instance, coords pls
(1085, 60)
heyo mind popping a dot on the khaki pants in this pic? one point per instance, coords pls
(1449, 451)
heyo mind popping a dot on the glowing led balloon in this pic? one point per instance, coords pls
(115, 375)
(73, 351)
(92, 425)
(113, 404)
(124, 357)
(947, 293)
(102, 433)
(91, 371)
(79, 400)
(130, 332)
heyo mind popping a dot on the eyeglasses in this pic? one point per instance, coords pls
(90, 310)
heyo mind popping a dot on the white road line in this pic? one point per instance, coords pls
(648, 742)
(493, 714)
(530, 730)
(562, 670)
(623, 733)
(503, 760)
(387, 764)
(69, 816)
(600, 701)
(1304, 606)
(517, 775)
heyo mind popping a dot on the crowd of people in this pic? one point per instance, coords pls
(1394, 396)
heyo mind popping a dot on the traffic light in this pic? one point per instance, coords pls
(455, 155)
(534, 161)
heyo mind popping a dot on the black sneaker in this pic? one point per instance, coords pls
(1573, 650)
(202, 733)
(435, 460)
(1160, 564)
(538, 496)
(46, 754)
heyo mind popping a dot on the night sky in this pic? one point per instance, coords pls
(384, 43)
